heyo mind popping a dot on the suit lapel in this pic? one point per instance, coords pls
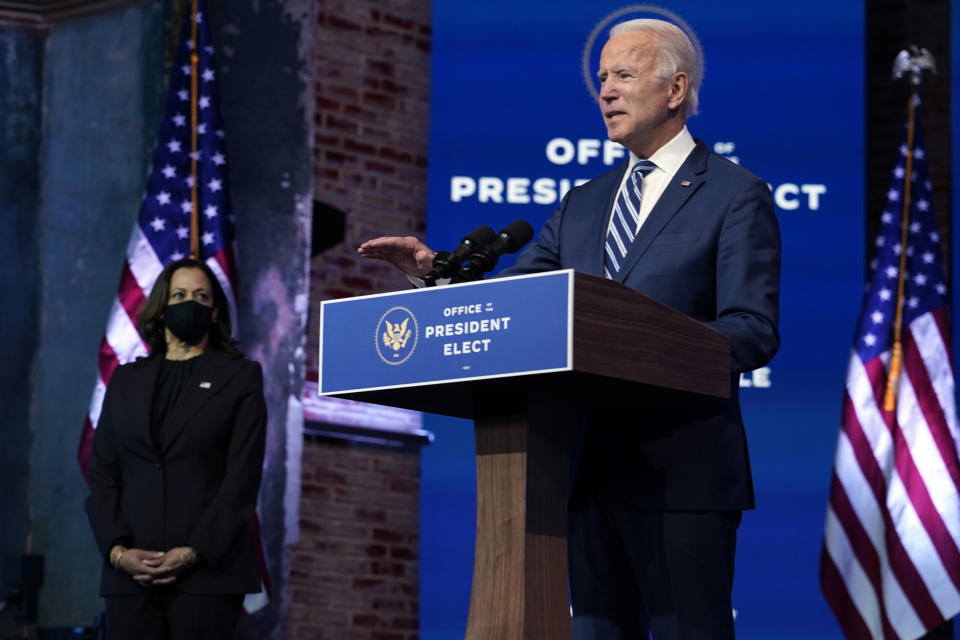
(140, 398)
(687, 180)
(209, 378)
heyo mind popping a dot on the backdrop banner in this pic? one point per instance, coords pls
(515, 124)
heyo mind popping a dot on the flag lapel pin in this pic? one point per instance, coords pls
(685, 183)
(205, 384)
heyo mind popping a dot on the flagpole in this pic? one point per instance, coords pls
(896, 358)
(194, 213)
(914, 64)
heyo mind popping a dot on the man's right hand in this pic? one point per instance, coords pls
(406, 253)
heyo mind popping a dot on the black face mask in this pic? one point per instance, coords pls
(189, 321)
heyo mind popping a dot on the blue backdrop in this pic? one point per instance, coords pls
(513, 124)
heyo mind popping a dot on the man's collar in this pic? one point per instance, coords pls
(670, 156)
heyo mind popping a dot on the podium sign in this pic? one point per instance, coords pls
(469, 331)
(522, 357)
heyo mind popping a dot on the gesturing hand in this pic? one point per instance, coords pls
(406, 253)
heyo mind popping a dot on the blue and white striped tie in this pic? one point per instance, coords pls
(626, 218)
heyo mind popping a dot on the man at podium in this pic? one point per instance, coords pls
(658, 497)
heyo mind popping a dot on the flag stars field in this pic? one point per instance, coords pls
(161, 234)
(892, 533)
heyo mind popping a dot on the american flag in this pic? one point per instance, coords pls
(162, 232)
(890, 565)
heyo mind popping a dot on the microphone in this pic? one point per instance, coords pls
(446, 264)
(510, 239)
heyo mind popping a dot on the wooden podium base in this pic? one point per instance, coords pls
(520, 582)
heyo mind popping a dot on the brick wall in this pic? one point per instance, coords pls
(354, 572)
(371, 135)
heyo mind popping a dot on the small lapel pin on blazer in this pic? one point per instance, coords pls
(205, 385)
(685, 183)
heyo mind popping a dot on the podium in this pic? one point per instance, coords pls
(522, 357)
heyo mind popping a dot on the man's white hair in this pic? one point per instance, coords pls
(676, 53)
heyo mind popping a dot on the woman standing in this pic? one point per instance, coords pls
(175, 469)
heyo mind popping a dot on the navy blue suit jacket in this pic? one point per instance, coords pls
(710, 248)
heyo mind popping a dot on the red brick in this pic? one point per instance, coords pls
(365, 583)
(327, 104)
(366, 620)
(360, 113)
(345, 92)
(398, 21)
(350, 144)
(405, 623)
(379, 100)
(339, 23)
(387, 569)
(370, 515)
(390, 604)
(355, 565)
(381, 67)
(379, 166)
(342, 124)
(358, 283)
(403, 553)
(384, 535)
(393, 87)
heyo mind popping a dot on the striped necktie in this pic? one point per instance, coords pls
(626, 218)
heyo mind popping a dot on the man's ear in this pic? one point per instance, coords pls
(679, 84)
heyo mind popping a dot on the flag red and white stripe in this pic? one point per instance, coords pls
(161, 234)
(890, 565)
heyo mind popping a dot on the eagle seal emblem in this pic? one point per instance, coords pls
(396, 335)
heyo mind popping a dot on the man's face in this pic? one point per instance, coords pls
(640, 109)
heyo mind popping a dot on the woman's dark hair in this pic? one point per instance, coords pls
(150, 320)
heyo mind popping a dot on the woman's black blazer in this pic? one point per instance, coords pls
(199, 489)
